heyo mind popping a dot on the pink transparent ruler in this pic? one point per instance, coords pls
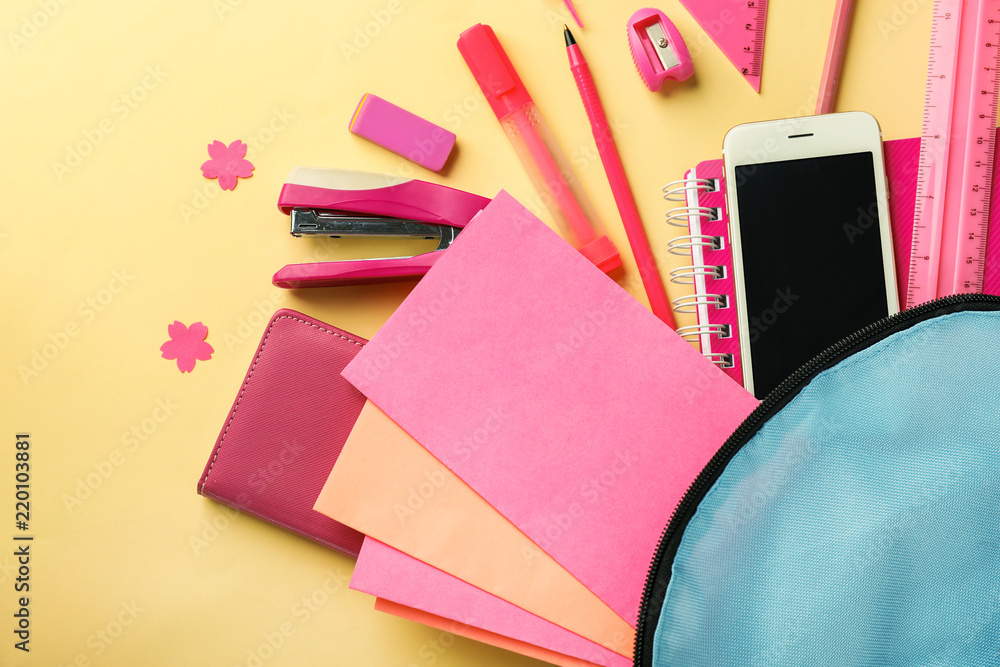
(991, 275)
(737, 28)
(954, 178)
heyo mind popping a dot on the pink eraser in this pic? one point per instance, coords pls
(402, 132)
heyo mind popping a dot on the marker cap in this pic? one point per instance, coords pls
(493, 70)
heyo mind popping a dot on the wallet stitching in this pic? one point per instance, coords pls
(246, 382)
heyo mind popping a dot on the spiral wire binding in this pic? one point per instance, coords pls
(685, 275)
(678, 191)
(681, 245)
(689, 302)
(693, 331)
(678, 217)
(721, 359)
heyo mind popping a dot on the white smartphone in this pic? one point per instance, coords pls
(811, 242)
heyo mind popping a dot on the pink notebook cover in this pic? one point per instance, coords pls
(554, 394)
(901, 160)
(722, 285)
(290, 419)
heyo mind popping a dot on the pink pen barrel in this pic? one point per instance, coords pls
(834, 57)
(625, 201)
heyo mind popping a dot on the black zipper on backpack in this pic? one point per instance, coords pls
(655, 589)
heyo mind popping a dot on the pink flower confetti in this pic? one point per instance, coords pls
(186, 345)
(227, 163)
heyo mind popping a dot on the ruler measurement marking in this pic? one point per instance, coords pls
(953, 176)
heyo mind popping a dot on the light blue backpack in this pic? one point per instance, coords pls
(854, 517)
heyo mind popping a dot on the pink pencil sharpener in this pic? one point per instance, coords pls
(657, 48)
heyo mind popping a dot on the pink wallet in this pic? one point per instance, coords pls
(287, 427)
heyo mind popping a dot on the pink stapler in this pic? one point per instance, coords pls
(339, 202)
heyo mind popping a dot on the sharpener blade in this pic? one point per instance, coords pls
(664, 49)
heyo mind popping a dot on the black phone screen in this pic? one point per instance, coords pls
(813, 267)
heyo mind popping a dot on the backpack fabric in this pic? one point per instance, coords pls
(854, 519)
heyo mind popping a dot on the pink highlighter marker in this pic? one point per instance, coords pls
(535, 146)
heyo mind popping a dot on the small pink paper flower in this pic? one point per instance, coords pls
(187, 344)
(227, 163)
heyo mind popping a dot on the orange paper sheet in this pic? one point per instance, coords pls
(478, 634)
(387, 486)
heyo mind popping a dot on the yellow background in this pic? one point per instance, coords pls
(133, 227)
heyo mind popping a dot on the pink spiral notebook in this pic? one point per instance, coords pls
(703, 193)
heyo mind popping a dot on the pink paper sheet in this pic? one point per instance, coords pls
(422, 508)
(390, 574)
(554, 394)
(478, 634)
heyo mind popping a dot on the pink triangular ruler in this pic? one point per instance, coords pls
(736, 27)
